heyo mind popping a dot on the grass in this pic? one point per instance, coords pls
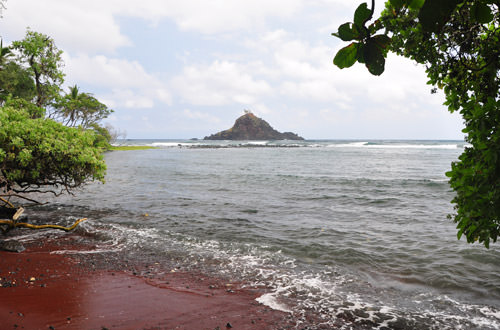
(113, 148)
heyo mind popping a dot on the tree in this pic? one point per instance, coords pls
(41, 155)
(76, 109)
(458, 42)
(115, 134)
(39, 52)
(80, 109)
(16, 81)
(42, 58)
(5, 53)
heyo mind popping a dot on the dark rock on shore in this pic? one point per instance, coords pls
(11, 246)
(251, 127)
(7, 212)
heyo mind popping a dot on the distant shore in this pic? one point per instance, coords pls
(118, 148)
(62, 284)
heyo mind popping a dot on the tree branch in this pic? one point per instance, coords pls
(14, 224)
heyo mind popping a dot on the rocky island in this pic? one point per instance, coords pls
(251, 127)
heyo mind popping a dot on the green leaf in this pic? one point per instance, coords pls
(362, 14)
(361, 56)
(382, 41)
(435, 13)
(482, 13)
(347, 56)
(397, 3)
(416, 4)
(347, 32)
(374, 58)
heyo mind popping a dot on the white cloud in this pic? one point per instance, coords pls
(315, 90)
(215, 16)
(303, 71)
(128, 83)
(92, 26)
(220, 83)
(202, 116)
(126, 98)
(75, 25)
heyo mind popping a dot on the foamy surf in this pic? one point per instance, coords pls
(390, 145)
(269, 300)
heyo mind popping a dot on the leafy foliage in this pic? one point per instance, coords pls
(366, 48)
(16, 81)
(40, 155)
(48, 142)
(80, 109)
(458, 41)
(5, 53)
(102, 136)
(43, 58)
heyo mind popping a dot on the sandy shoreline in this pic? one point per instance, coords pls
(44, 289)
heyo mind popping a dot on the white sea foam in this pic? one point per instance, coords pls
(439, 180)
(269, 299)
(33, 236)
(488, 311)
(96, 251)
(365, 144)
(170, 144)
(257, 143)
(491, 319)
(348, 145)
(413, 146)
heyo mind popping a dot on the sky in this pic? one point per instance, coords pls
(177, 69)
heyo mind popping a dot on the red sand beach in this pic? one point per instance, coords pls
(43, 289)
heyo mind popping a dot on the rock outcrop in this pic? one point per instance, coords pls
(251, 127)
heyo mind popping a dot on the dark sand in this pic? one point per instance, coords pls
(43, 289)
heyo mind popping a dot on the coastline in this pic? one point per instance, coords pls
(61, 284)
(128, 148)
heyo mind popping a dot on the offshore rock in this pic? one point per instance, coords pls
(251, 127)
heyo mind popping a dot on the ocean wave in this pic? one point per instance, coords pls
(333, 296)
(325, 295)
(168, 144)
(259, 143)
(289, 144)
(375, 145)
(348, 145)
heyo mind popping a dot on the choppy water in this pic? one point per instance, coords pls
(352, 232)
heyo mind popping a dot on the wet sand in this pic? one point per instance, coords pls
(42, 288)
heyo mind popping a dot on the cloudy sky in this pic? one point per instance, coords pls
(184, 69)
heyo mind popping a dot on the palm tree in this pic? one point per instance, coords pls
(71, 106)
(5, 53)
(74, 92)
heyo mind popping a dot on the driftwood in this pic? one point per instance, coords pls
(14, 224)
(10, 211)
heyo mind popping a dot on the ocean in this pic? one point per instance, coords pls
(354, 234)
